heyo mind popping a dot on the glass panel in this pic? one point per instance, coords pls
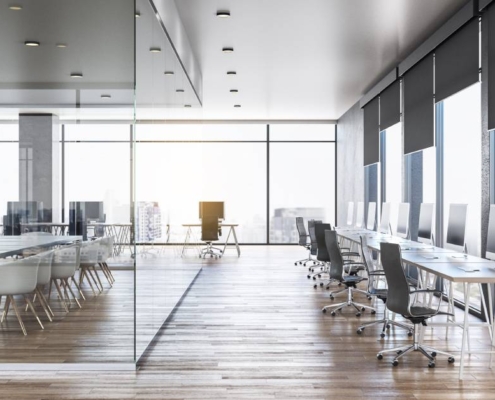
(393, 163)
(94, 132)
(287, 177)
(302, 132)
(462, 180)
(201, 132)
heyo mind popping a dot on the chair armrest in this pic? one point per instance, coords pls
(425, 291)
(379, 272)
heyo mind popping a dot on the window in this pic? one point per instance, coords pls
(9, 164)
(393, 164)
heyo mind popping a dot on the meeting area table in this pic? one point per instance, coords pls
(11, 246)
(190, 234)
(442, 263)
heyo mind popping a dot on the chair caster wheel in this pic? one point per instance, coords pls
(369, 297)
(359, 331)
(300, 262)
(295, 263)
(395, 363)
(324, 310)
(388, 326)
(321, 284)
(379, 356)
(382, 335)
(431, 364)
(331, 297)
(399, 352)
(327, 288)
(358, 314)
(409, 333)
(333, 314)
(433, 353)
(363, 309)
(314, 278)
(309, 276)
(451, 360)
(373, 312)
(315, 286)
(340, 284)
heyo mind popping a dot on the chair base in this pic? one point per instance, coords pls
(349, 303)
(211, 251)
(387, 322)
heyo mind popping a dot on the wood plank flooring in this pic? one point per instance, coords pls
(252, 328)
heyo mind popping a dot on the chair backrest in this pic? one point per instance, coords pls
(403, 220)
(350, 214)
(45, 267)
(490, 240)
(337, 261)
(398, 288)
(209, 228)
(456, 227)
(66, 261)
(385, 221)
(19, 277)
(425, 226)
(312, 235)
(360, 214)
(322, 254)
(370, 223)
(301, 230)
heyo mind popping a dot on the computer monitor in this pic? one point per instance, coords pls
(360, 214)
(490, 241)
(211, 209)
(385, 221)
(93, 210)
(456, 228)
(370, 223)
(350, 213)
(403, 220)
(425, 223)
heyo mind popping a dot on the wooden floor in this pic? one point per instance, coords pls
(252, 328)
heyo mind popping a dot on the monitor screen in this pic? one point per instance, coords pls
(490, 242)
(360, 214)
(350, 213)
(425, 220)
(212, 209)
(370, 224)
(456, 228)
(403, 220)
(93, 210)
(385, 221)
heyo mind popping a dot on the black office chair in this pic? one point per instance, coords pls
(337, 273)
(313, 250)
(376, 281)
(303, 240)
(321, 251)
(401, 299)
(209, 234)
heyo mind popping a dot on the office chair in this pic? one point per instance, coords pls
(375, 277)
(313, 251)
(303, 240)
(209, 234)
(322, 255)
(401, 299)
(337, 273)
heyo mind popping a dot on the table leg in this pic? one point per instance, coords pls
(236, 242)
(226, 241)
(186, 239)
(467, 287)
(490, 320)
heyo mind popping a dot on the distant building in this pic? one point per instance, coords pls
(283, 224)
(148, 221)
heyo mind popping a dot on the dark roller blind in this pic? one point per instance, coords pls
(390, 106)
(457, 61)
(490, 27)
(371, 133)
(418, 117)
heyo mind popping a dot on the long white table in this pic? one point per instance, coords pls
(16, 245)
(445, 264)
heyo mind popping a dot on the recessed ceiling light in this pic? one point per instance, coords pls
(231, 73)
(180, 90)
(169, 72)
(138, 14)
(15, 7)
(76, 75)
(155, 49)
(61, 45)
(187, 105)
(31, 43)
(228, 49)
(106, 96)
(223, 14)
(237, 105)
(234, 91)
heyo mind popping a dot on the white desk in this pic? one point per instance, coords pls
(442, 263)
(16, 245)
(189, 234)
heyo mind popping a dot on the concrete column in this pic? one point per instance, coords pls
(39, 163)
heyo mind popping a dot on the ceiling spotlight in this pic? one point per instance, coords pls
(187, 105)
(138, 14)
(223, 14)
(180, 90)
(106, 96)
(231, 73)
(237, 106)
(31, 43)
(61, 45)
(155, 50)
(234, 91)
(15, 7)
(76, 75)
(169, 72)
(228, 49)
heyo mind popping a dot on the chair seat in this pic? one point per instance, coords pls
(421, 311)
(381, 293)
(351, 279)
(351, 254)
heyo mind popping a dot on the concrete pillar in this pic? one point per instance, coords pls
(39, 163)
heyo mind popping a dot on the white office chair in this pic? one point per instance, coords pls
(44, 276)
(105, 251)
(64, 266)
(89, 258)
(19, 278)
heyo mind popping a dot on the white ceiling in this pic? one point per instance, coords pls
(302, 59)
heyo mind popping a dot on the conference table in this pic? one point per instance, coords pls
(231, 227)
(17, 245)
(442, 263)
